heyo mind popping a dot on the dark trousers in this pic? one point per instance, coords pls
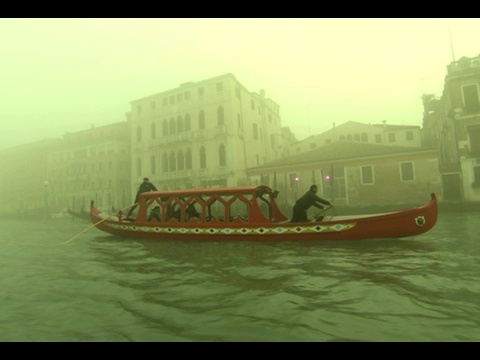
(299, 214)
(130, 212)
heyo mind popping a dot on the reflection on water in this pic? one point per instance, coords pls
(105, 288)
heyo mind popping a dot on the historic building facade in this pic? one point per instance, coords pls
(452, 123)
(203, 134)
(24, 185)
(92, 164)
(385, 134)
(356, 174)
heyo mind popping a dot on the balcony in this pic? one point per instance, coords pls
(222, 171)
(220, 130)
(138, 146)
(202, 173)
(187, 173)
(184, 136)
(201, 134)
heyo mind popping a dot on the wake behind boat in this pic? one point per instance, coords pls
(251, 214)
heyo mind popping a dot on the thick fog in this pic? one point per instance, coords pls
(63, 75)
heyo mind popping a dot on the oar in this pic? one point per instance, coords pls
(99, 222)
(315, 217)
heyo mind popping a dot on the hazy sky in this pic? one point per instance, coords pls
(63, 75)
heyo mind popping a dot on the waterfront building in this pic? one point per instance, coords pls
(452, 123)
(204, 134)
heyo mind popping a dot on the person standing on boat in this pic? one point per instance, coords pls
(309, 199)
(145, 186)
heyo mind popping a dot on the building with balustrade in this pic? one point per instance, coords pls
(204, 134)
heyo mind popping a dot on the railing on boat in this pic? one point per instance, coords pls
(250, 204)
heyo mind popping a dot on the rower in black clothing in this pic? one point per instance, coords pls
(309, 199)
(145, 186)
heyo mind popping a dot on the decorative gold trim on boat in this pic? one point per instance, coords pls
(313, 229)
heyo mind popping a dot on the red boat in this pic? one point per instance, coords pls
(251, 213)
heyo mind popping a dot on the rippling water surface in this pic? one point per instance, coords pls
(100, 287)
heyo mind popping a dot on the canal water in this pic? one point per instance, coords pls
(100, 287)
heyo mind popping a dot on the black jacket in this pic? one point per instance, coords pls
(145, 187)
(311, 199)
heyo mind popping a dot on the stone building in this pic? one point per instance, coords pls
(356, 174)
(24, 185)
(92, 164)
(385, 134)
(452, 123)
(204, 134)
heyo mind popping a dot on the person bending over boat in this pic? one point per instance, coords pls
(145, 186)
(155, 214)
(309, 199)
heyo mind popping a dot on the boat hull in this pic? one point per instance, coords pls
(399, 224)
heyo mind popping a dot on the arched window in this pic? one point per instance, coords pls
(172, 126)
(188, 123)
(188, 159)
(173, 165)
(201, 120)
(153, 130)
(222, 156)
(139, 133)
(203, 158)
(180, 160)
(179, 124)
(164, 162)
(220, 116)
(152, 165)
(349, 137)
(165, 127)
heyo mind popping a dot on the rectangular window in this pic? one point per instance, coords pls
(367, 175)
(470, 97)
(187, 95)
(474, 140)
(409, 135)
(476, 176)
(406, 171)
